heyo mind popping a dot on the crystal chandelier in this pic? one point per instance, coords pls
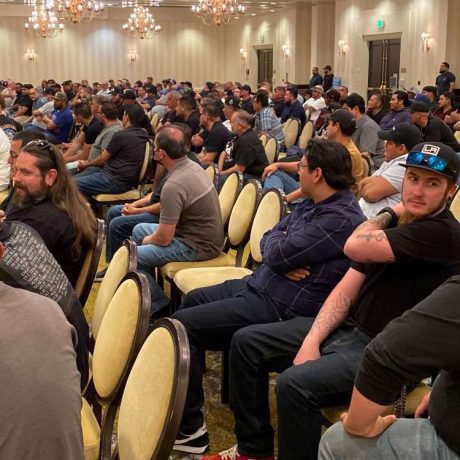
(78, 10)
(218, 11)
(141, 23)
(44, 22)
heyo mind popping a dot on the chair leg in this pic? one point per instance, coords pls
(105, 452)
(225, 379)
(175, 297)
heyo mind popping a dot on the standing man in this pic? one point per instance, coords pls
(445, 81)
(328, 78)
(190, 226)
(316, 78)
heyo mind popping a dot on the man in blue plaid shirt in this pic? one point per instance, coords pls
(266, 121)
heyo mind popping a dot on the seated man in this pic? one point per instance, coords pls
(121, 161)
(244, 153)
(59, 124)
(186, 110)
(302, 262)
(266, 122)
(27, 264)
(4, 163)
(395, 265)
(399, 112)
(383, 188)
(190, 226)
(40, 397)
(8, 124)
(231, 105)
(46, 109)
(45, 198)
(293, 108)
(315, 103)
(398, 356)
(80, 147)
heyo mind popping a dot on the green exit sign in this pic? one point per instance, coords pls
(380, 23)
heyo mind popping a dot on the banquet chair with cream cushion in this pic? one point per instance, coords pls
(213, 173)
(291, 132)
(306, 135)
(271, 150)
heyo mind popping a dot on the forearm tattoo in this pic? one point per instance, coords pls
(332, 313)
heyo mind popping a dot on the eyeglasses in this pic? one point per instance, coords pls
(300, 166)
(433, 162)
(43, 146)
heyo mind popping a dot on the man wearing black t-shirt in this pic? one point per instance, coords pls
(244, 153)
(187, 111)
(399, 257)
(246, 99)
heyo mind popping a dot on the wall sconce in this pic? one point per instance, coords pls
(30, 54)
(426, 42)
(244, 53)
(132, 55)
(286, 50)
(342, 47)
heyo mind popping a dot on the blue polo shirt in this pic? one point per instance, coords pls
(63, 119)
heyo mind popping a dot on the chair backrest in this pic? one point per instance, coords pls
(263, 139)
(455, 206)
(306, 135)
(154, 397)
(124, 261)
(239, 225)
(291, 132)
(228, 195)
(121, 335)
(145, 169)
(88, 270)
(271, 149)
(457, 136)
(271, 209)
(155, 120)
(213, 173)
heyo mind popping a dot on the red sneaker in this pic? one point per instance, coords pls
(232, 454)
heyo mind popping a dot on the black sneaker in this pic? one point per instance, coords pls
(196, 443)
(100, 275)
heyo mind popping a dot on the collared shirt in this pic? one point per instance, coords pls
(267, 121)
(313, 235)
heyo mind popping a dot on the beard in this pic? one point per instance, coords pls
(27, 199)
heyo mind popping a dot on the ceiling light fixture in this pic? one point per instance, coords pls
(218, 11)
(44, 22)
(78, 10)
(141, 23)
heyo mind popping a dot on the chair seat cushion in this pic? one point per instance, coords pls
(91, 432)
(133, 194)
(194, 278)
(168, 271)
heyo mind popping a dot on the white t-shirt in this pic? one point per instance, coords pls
(394, 174)
(4, 165)
(315, 106)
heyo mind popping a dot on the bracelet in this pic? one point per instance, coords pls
(394, 217)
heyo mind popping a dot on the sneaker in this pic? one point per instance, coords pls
(196, 443)
(232, 454)
(100, 275)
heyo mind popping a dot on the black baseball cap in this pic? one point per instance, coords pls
(234, 101)
(150, 89)
(419, 106)
(129, 94)
(344, 118)
(436, 157)
(247, 88)
(403, 133)
(116, 90)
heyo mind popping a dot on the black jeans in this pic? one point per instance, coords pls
(211, 316)
(301, 390)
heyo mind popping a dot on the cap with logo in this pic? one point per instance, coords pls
(436, 157)
(419, 106)
(233, 101)
(402, 133)
(129, 94)
(59, 96)
(116, 90)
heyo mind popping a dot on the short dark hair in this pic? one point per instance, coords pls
(135, 114)
(451, 96)
(293, 90)
(261, 98)
(446, 64)
(328, 67)
(430, 89)
(171, 139)
(333, 95)
(280, 88)
(402, 96)
(27, 135)
(333, 159)
(82, 109)
(210, 108)
(110, 110)
(355, 100)
(188, 102)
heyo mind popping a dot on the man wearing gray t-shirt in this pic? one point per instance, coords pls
(190, 226)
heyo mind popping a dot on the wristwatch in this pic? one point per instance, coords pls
(394, 217)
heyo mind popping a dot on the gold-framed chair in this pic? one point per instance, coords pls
(229, 194)
(306, 134)
(108, 199)
(457, 136)
(124, 261)
(263, 139)
(213, 173)
(291, 132)
(455, 206)
(88, 270)
(154, 120)
(121, 335)
(239, 227)
(154, 396)
(271, 150)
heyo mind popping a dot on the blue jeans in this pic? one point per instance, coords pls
(150, 256)
(405, 439)
(120, 228)
(98, 183)
(282, 181)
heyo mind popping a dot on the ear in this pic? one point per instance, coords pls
(452, 190)
(317, 175)
(50, 177)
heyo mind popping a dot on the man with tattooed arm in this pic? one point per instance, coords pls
(398, 258)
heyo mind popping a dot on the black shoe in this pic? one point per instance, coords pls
(100, 275)
(196, 443)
